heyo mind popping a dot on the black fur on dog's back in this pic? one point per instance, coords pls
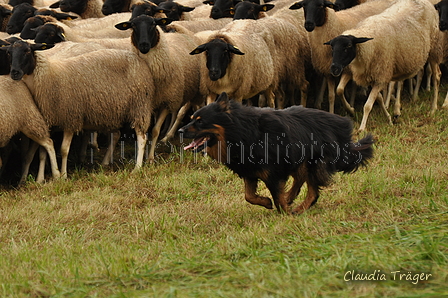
(271, 145)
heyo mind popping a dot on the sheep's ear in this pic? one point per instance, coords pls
(223, 101)
(437, 6)
(61, 35)
(7, 12)
(199, 49)
(186, 8)
(123, 26)
(328, 43)
(41, 46)
(361, 39)
(64, 16)
(329, 4)
(297, 5)
(55, 5)
(162, 21)
(267, 7)
(233, 49)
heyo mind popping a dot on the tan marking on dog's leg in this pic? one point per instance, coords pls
(280, 197)
(299, 179)
(311, 196)
(250, 195)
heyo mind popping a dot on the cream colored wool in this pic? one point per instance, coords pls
(175, 74)
(98, 90)
(247, 75)
(20, 114)
(402, 38)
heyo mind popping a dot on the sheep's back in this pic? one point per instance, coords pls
(100, 89)
(402, 37)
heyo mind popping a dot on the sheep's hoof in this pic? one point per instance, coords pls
(445, 106)
(396, 119)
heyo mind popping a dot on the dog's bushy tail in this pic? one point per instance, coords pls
(356, 155)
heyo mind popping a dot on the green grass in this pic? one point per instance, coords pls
(183, 229)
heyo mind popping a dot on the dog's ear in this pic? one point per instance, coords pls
(223, 102)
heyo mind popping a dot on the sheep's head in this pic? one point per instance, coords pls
(219, 54)
(174, 10)
(442, 9)
(315, 12)
(76, 6)
(49, 33)
(344, 51)
(19, 15)
(250, 10)
(21, 55)
(144, 32)
(113, 6)
(146, 8)
(222, 8)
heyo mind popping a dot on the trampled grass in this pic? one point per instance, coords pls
(181, 228)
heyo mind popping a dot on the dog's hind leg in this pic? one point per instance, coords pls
(251, 196)
(311, 197)
(279, 196)
(299, 179)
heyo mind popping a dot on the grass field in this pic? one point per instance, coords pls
(181, 228)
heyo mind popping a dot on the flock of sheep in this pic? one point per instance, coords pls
(88, 65)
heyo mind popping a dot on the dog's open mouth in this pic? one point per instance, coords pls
(198, 144)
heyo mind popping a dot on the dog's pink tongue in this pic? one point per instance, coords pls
(192, 145)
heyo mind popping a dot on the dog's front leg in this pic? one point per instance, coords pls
(250, 195)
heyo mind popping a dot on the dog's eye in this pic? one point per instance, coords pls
(199, 121)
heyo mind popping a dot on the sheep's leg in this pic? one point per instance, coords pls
(65, 148)
(436, 73)
(417, 85)
(320, 95)
(26, 161)
(303, 86)
(369, 104)
(353, 88)
(114, 137)
(331, 93)
(42, 159)
(155, 133)
(428, 77)
(390, 90)
(280, 98)
(180, 115)
(345, 79)
(47, 143)
(397, 105)
(5, 152)
(84, 143)
(270, 97)
(141, 142)
(445, 103)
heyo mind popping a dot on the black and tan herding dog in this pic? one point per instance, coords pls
(271, 145)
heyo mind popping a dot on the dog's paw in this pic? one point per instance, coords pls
(267, 203)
